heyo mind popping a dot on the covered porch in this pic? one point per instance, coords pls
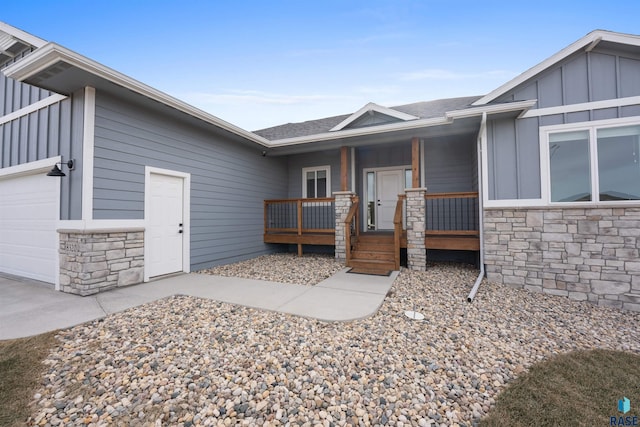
(377, 195)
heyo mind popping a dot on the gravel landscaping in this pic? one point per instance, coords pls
(284, 268)
(189, 361)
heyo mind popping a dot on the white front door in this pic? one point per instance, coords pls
(165, 225)
(389, 184)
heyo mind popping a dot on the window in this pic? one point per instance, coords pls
(316, 182)
(597, 164)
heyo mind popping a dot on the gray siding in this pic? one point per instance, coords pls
(296, 162)
(52, 131)
(229, 180)
(450, 164)
(513, 145)
(582, 77)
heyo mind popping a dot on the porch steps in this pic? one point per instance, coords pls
(373, 254)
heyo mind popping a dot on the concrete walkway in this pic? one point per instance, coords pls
(29, 307)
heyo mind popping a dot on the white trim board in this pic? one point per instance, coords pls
(43, 165)
(186, 214)
(584, 106)
(32, 108)
(88, 142)
(101, 224)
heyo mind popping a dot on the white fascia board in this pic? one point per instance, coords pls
(22, 35)
(52, 53)
(492, 109)
(372, 130)
(448, 118)
(373, 107)
(585, 42)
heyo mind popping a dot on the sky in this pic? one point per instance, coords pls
(258, 64)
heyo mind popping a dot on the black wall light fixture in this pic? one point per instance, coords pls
(56, 170)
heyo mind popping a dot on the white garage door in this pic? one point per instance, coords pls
(29, 210)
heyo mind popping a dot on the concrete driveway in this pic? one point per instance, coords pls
(29, 307)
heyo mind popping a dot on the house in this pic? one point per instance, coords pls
(539, 179)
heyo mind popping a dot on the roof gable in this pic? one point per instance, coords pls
(588, 43)
(373, 114)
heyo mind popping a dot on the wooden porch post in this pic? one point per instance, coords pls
(344, 169)
(415, 163)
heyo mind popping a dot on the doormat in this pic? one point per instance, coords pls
(370, 272)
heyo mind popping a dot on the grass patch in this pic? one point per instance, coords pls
(580, 388)
(20, 372)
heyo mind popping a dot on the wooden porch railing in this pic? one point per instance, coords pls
(352, 227)
(452, 221)
(300, 221)
(398, 228)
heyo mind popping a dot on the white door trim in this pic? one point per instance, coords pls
(365, 189)
(186, 214)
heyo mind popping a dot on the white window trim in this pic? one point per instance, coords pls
(591, 127)
(326, 168)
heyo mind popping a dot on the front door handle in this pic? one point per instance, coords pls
(180, 230)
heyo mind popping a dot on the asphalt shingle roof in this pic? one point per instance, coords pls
(423, 110)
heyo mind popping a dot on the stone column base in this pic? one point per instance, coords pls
(343, 204)
(416, 250)
(96, 260)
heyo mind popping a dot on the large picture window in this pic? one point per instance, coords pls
(316, 182)
(597, 164)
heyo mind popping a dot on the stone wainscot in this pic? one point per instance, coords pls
(582, 254)
(96, 260)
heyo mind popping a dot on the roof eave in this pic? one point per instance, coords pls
(52, 53)
(22, 35)
(585, 42)
(448, 118)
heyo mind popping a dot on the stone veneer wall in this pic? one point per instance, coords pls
(343, 204)
(584, 254)
(97, 260)
(416, 210)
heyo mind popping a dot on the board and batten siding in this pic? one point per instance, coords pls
(55, 130)
(513, 144)
(229, 179)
